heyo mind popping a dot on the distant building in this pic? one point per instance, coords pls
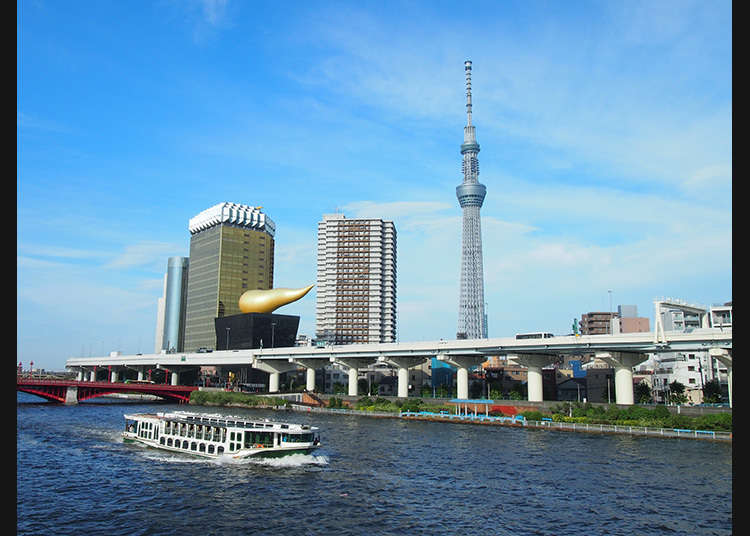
(175, 298)
(356, 283)
(630, 325)
(597, 323)
(721, 315)
(692, 369)
(572, 389)
(159, 334)
(304, 340)
(600, 383)
(231, 251)
(628, 320)
(625, 320)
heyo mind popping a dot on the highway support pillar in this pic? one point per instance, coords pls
(353, 364)
(310, 380)
(534, 363)
(623, 363)
(403, 364)
(462, 363)
(725, 357)
(274, 368)
(310, 365)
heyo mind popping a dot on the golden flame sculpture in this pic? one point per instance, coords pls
(266, 301)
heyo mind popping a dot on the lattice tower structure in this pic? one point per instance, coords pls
(470, 194)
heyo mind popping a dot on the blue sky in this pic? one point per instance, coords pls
(604, 126)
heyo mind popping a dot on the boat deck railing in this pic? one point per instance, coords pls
(238, 422)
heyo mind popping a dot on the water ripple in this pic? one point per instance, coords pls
(373, 476)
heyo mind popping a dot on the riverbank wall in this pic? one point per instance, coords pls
(504, 413)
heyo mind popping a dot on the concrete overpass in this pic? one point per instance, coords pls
(623, 351)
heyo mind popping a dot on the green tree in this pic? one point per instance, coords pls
(362, 386)
(642, 393)
(712, 392)
(516, 392)
(677, 393)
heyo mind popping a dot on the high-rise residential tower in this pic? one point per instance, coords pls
(471, 317)
(231, 251)
(356, 284)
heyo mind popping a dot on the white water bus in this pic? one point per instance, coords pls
(213, 436)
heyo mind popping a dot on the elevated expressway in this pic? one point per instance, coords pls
(622, 351)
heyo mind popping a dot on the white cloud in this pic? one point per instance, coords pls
(214, 11)
(148, 254)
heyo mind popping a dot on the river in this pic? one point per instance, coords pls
(371, 477)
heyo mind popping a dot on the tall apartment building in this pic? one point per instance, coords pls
(231, 251)
(597, 323)
(170, 324)
(356, 283)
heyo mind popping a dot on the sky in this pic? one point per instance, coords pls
(605, 130)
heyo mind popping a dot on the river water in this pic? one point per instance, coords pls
(371, 477)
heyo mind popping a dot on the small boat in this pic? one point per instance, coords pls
(214, 436)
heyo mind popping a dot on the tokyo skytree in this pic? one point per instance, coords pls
(471, 320)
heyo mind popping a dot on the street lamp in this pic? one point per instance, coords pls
(227, 337)
(273, 330)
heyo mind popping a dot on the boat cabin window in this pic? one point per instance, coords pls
(297, 438)
(258, 438)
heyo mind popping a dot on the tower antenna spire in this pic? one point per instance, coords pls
(467, 68)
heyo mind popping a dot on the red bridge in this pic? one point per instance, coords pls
(72, 391)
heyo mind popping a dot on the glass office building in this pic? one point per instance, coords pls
(172, 306)
(231, 251)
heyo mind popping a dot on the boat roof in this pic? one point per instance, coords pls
(226, 420)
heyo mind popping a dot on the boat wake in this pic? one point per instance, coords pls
(291, 460)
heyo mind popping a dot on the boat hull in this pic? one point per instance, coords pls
(269, 452)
